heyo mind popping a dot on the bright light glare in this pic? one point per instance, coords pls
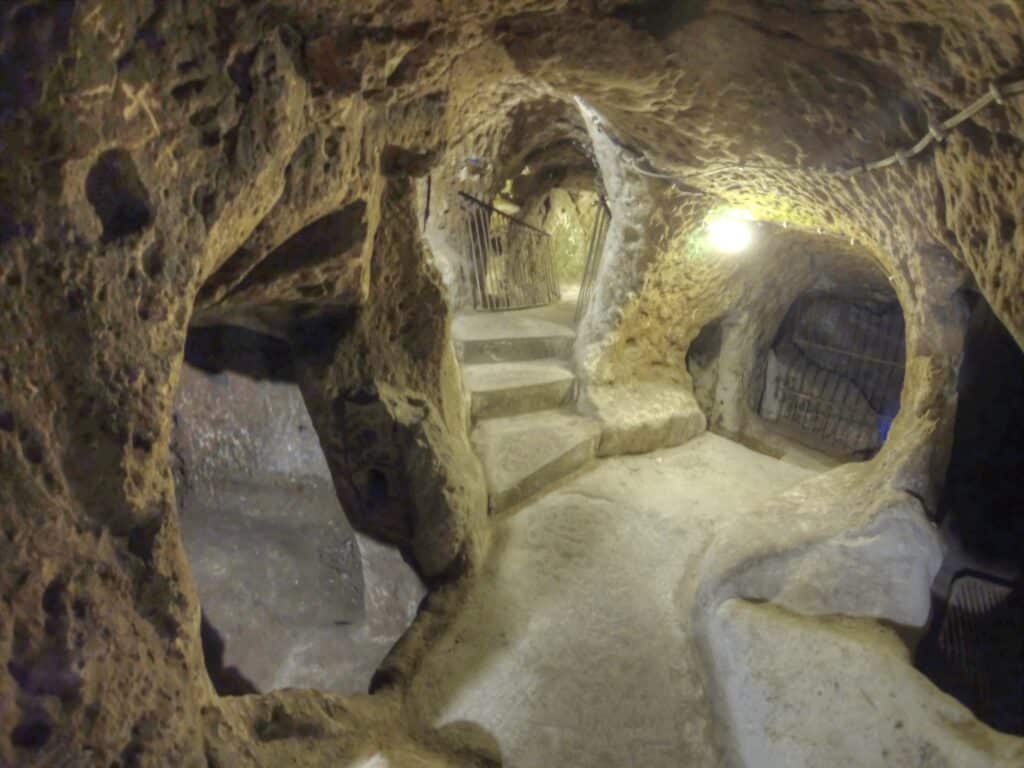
(731, 231)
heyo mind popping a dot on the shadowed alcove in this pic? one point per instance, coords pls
(523, 384)
(292, 596)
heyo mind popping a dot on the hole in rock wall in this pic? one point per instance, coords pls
(833, 376)
(701, 361)
(319, 242)
(808, 365)
(117, 195)
(291, 595)
(973, 648)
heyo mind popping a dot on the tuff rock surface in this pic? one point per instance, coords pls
(172, 164)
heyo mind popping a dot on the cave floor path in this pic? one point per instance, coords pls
(572, 649)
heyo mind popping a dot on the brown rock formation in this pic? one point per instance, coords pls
(180, 162)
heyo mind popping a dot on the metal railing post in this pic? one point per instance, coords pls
(512, 262)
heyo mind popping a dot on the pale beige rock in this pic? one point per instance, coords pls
(160, 157)
(504, 337)
(882, 568)
(508, 389)
(809, 692)
(643, 417)
(522, 455)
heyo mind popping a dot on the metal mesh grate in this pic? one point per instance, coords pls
(836, 371)
(510, 261)
(975, 650)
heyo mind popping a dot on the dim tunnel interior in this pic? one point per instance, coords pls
(834, 373)
(811, 371)
(973, 649)
(291, 594)
(558, 189)
(512, 384)
(512, 223)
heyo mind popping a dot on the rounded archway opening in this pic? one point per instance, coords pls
(511, 211)
(833, 375)
(291, 595)
(557, 190)
(809, 363)
(972, 647)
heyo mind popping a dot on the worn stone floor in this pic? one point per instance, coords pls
(571, 650)
(580, 644)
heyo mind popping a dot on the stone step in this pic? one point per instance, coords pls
(523, 455)
(509, 389)
(500, 337)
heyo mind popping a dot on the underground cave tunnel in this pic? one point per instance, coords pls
(973, 648)
(815, 369)
(591, 384)
(291, 595)
(834, 372)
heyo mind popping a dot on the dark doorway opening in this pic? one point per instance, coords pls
(834, 374)
(292, 595)
(974, 646)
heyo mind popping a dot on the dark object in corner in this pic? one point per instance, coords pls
(974, 649)
(231, 348)
(227, 681)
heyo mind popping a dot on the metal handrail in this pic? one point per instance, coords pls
(511, 264)
(492, 209)
(595, 249)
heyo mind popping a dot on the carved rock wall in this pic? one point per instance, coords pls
(175, 162)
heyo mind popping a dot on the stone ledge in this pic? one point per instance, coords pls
(643, 417)
(837, 691)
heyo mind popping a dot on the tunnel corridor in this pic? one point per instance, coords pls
(526, 384)
(291, 595)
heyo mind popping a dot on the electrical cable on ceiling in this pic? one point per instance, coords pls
(936, 133)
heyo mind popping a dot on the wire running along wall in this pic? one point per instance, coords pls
(836, 371)
(510, 261)
(937, 133)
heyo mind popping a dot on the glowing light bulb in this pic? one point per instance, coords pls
(731, 231)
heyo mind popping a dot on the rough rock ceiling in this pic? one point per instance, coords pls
(160, 156)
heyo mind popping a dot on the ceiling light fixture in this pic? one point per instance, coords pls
(730, 231)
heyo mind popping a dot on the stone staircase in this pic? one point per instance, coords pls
(526, 431)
